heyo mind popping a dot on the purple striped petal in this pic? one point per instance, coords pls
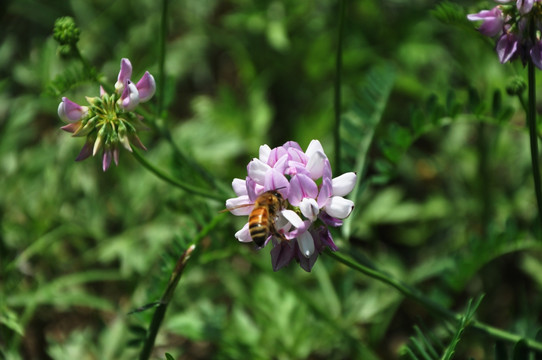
(125, 74)
(70, 111)
(146, 87)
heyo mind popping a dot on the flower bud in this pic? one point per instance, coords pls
(146, 87)
(65, 31)
(70, 111)
(516, 86)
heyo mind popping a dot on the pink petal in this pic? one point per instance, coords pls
(297, 155)
(239, 187)
(243, 235)
(292, 218)
(72, 127)
(106, 159)
(274, 180)
(325, 192)
(292, 144)
(275, 155)
(146, 87)
(70, 111)
(130, 97)
(265, 150)
(125, 74)
(316, 164)
(301, 186)
(281, 164)
(507, 46)
(253, 189)
(240, 206)
(313, 148)
(86, 151)
(257, 170)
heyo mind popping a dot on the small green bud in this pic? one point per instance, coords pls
(95, 100)
(65, 31)
(516, 86)
(123, 138)
(88, 126)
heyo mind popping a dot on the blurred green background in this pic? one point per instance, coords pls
(448, 204)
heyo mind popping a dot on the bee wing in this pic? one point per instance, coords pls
(239, 206)
(233, 208)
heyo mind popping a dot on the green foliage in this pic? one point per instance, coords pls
(428, 347)
(72, 77)
(433, 125)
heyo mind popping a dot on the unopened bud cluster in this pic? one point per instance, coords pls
(66, 33)
(108, 121)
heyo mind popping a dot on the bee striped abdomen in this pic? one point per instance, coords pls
(258, 225)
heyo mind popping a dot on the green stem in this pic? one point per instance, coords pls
(414, 294)
(162, 175)
(164, 132)
(531, 120)
(160, 311)
(337, 95)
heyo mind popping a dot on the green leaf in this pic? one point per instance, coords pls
(450, 13)
(358, 125)
(10, 319)
(463, 323)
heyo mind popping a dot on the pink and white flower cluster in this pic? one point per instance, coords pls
(108, 121)
(315, 200)
(517, 27)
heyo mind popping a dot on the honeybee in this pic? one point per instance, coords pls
(261, 221)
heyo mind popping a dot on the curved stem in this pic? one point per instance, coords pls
(160, 311)
(531, 120)
(414, 294)
(167, 178)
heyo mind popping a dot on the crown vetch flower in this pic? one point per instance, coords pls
(314, 201)
(108, 121)
(516, 28)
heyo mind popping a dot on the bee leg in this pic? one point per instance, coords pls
(278, 235)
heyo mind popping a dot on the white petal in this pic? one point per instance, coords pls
(282, 224)
(257, 170)
(240, 205)
(243, 235)
(342, 185)
(292, 217)
(309, 208)
(265, 150)
(306, 244)
(316, 164)
(313, 147)
(239, 187)
(339, 207)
